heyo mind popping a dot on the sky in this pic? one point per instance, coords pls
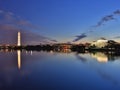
(54, 21)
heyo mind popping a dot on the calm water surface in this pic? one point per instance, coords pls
(59, 71)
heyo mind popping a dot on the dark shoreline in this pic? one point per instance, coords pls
(73, 48)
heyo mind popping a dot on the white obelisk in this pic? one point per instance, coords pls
(19, 39)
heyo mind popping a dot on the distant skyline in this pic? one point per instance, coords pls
(59, 20)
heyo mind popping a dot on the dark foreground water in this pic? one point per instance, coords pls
(59, 71)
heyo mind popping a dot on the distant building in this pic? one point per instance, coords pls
(63, 46)
(101, 43)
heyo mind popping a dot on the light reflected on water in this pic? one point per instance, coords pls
(100, 57)
(59, 70)
(19, 58)
(31, 52)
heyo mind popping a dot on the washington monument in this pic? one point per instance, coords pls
(19, 39)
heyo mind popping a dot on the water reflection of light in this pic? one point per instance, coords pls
(66, 50)
(26, 52)
(31, 52)
(19, 58)
(51, 51)
(101, 57)
(4, 50)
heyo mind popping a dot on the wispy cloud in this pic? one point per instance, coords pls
(104, 20)
(117, 12)
(9, 22)
(9, 36)
(7, 27)
(79, 37)
(33, 38)
(53, 40)
(101, 22)
(108, 18)
(116, 37)
(11, 18)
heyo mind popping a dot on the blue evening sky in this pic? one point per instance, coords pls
(64, 19)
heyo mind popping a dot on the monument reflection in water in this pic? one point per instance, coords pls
(63, 70)
(19, 58)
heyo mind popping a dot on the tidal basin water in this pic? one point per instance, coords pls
(59, 71)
